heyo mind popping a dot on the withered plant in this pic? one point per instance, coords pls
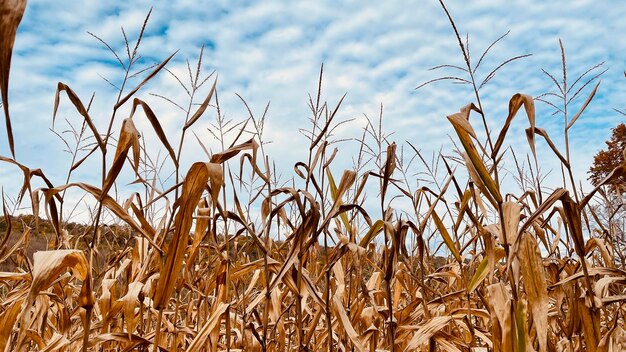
(227, 254)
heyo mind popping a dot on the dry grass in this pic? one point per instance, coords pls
(317, 269)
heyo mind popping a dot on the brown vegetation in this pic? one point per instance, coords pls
(317, 269)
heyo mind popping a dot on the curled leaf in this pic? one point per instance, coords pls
(154, 121)
(80, 107)
(129, 138)
(11, 12)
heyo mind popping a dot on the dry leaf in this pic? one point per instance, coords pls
(11, 12)
(195, 183)
(535, 286)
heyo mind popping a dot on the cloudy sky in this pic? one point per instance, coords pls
(271, 52)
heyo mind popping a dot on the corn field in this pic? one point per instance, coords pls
(229, 258)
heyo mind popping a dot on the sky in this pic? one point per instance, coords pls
(271, 52)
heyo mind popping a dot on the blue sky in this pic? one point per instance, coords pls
(271, 51)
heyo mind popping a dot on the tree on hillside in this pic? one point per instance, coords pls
(611, 208)
(606, 160)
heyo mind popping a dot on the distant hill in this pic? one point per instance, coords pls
(37, 237)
